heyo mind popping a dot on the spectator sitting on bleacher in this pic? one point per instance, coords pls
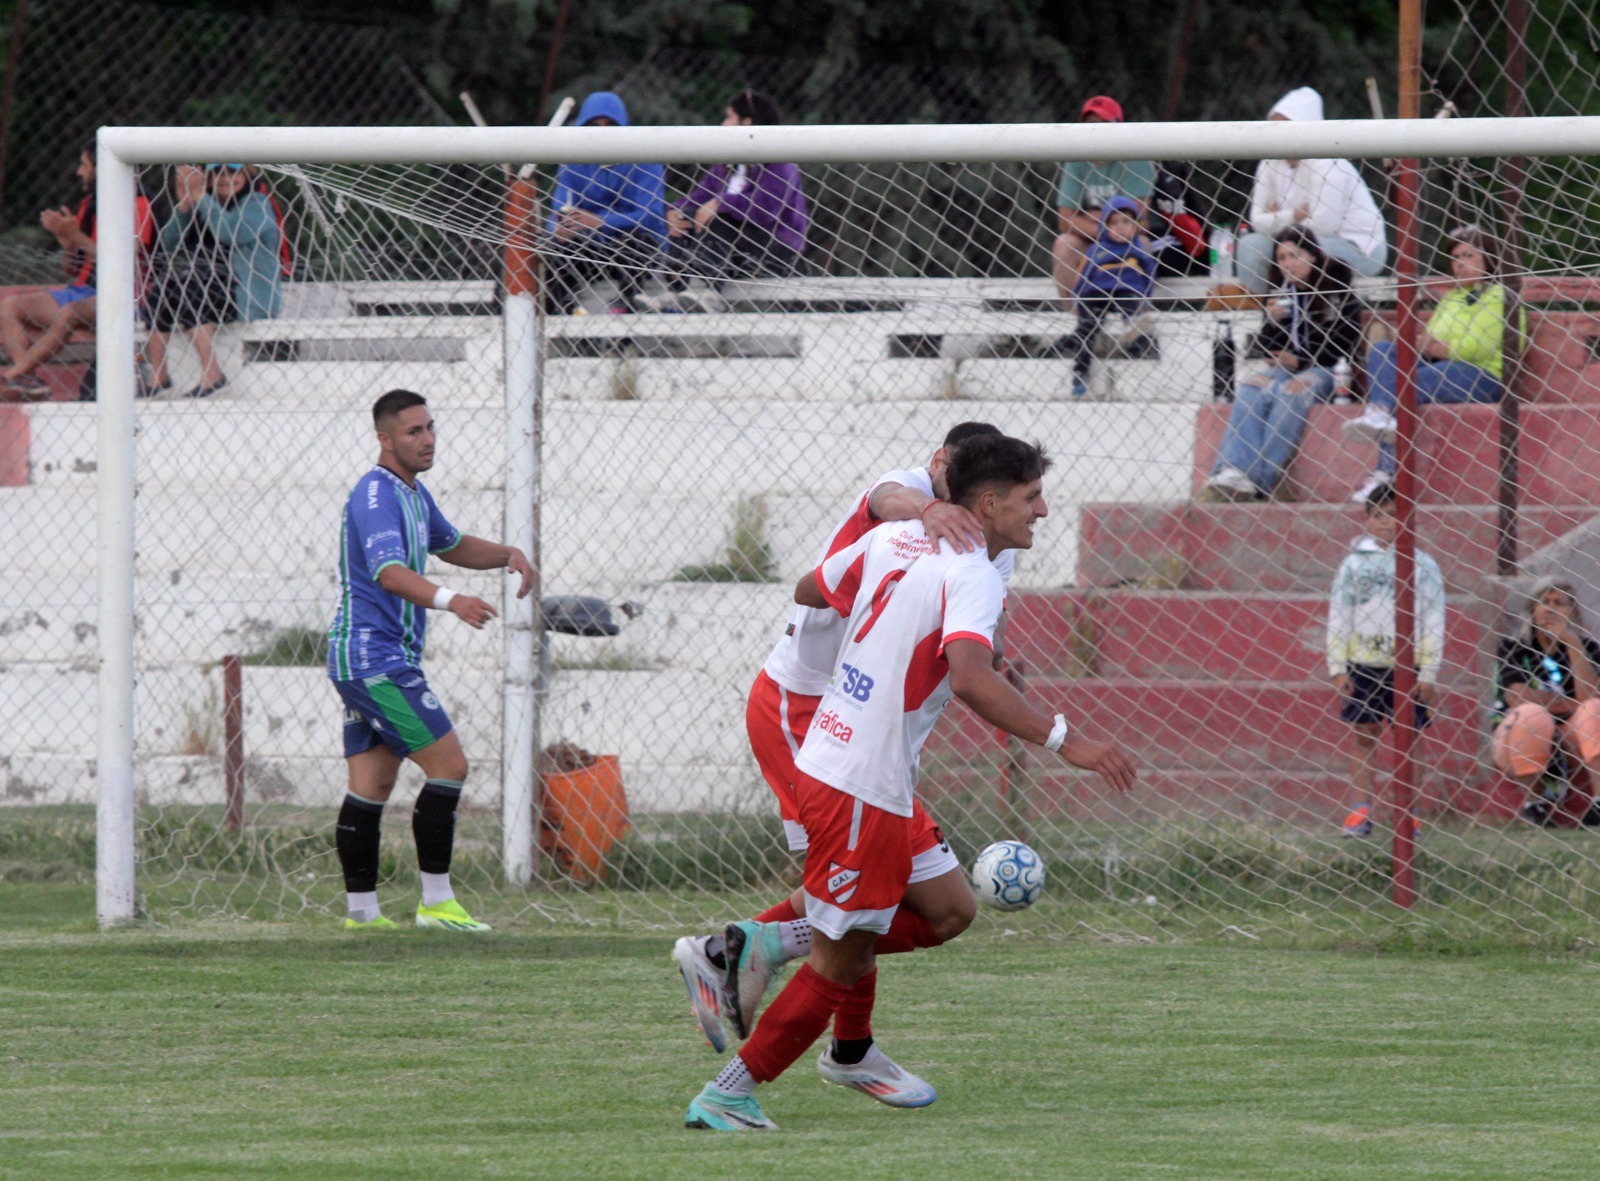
(1313, 323)
(57, 313)
(741, 220)
(1325, 196)
(608, 223)
(223, 260)
(1547, 678)
(1460, 357)
(1117, 275)
(1084, 189)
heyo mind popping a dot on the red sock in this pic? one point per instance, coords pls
(784, 912)
(795, 1019)
(853, 1021)
(907, 932)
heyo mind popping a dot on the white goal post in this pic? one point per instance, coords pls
(121, 150)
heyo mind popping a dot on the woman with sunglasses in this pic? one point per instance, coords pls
(1461, 355)
(223, 262)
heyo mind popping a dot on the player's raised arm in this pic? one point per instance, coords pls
(974, 680)
(946, 522)
(478, 553)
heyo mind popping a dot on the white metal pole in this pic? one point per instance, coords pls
(116, 898)
(519, 707)
(1573, 135)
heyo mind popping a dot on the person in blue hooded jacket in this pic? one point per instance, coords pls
(610, 219)
(1118, 272)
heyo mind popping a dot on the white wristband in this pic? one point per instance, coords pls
(1058, 734)
(442, 597)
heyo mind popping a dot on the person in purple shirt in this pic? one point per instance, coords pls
(741, 220)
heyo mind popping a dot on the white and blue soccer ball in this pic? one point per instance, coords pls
(1008, 875)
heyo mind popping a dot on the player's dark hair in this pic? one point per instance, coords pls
(392, 403)
(1381, 497)
(993, 461)
(963, 431)
(756, 107)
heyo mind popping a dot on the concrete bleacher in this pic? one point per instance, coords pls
(627, 396)
(301, 383)
(1256, 719)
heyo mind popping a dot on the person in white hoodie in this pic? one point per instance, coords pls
(1361, 645)
(1327, 196)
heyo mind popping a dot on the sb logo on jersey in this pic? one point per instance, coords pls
(856, 683)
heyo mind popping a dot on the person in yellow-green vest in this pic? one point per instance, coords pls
(1461, 353)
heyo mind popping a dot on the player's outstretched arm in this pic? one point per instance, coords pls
(477, 553)
(946, 522)
(414, 588)
(974, 680)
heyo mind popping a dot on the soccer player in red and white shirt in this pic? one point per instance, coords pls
(781, 704)
(921, 629)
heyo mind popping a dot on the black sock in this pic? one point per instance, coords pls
(714, 949)
(356, 837)
(433, 823)
(851, 1051)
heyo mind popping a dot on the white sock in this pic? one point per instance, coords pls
(735, 1078)
(436, 889)
(363, 907)
(796, 936)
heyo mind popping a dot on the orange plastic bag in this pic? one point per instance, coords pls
(585, 814)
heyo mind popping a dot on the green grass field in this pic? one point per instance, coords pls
(293, 1051)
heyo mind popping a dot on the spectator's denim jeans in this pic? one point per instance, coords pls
(1442, 383)
(1267, 420)
(1253, 257)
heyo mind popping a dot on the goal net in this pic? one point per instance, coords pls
(732, 335)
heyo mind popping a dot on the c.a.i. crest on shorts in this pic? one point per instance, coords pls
(842, 882)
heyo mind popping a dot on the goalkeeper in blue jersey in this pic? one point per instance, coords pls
(391, 525)
(1361, 643)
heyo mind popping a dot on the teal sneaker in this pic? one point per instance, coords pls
(448, 916)
(378, 924)
(718, 1111)
(755, 957)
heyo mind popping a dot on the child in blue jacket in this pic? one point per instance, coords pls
(1118, 272)
(609, 221)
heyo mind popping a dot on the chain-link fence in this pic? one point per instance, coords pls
(725, 370)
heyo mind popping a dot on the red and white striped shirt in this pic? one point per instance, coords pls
(902, 602)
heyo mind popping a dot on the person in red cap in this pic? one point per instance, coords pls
(1085, 187)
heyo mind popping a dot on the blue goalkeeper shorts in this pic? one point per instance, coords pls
(397, 709)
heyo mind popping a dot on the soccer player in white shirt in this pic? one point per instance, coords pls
(728, 974)
(921, 629)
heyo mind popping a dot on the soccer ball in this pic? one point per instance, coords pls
(1008, 875)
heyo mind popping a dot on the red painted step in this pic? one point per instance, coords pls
(15, 439)
(1310, 800)
(1284, 548)
(1217, 635)
(1217, 725)
(1458, 454)
(1562, 363)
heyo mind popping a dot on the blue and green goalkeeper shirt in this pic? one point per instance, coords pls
(386, 521)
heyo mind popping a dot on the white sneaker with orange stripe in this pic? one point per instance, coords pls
(878, 1076)
(703, 979)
